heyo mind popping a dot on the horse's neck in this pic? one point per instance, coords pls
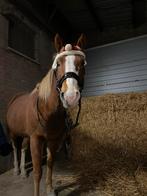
(53, 103)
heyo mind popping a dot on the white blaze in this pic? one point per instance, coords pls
(72, 94)
(70, 67)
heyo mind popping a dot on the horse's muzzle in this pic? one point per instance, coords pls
(71, 99)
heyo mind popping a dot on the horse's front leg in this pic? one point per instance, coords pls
(36, 153)
(51, 150)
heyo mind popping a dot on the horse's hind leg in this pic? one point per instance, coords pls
(15, 153)
(24, 148)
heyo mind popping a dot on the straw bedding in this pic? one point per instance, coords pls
(110, 145)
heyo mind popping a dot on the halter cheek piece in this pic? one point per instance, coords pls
(69, 75)
(68, 51)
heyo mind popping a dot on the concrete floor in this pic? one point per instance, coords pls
(11, 185)
(64, 181)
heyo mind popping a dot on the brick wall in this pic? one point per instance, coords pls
(17, 72)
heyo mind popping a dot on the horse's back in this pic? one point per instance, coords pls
(17, 114)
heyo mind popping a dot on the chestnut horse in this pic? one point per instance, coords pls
(39, 116)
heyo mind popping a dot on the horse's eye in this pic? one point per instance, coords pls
(82, 65)
(83, 62)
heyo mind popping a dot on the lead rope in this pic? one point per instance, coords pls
(66, 145)
(78, 114)
(69, 122)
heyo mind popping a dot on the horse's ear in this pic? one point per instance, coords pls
(81, 41)
(58, 42)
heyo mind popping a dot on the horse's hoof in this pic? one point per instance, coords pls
(16, 172)
(52, 193)
(23, 175)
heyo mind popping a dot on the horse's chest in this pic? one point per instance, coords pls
(54, 127)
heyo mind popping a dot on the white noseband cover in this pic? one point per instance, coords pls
(68, 51)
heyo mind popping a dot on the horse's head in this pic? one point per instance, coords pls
(69, 66)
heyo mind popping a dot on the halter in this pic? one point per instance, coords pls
(68, 51)
(69, 75)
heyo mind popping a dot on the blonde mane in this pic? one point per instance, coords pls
(46, 85)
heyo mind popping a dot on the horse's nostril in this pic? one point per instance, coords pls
(62, 94)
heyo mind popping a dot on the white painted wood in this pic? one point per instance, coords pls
(117, 67)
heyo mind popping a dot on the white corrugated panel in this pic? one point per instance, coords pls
(118, 67)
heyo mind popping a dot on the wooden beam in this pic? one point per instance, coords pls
(26, 7)
(53, 23)
(94, 14)
(138, 12)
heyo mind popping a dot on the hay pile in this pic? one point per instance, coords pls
(110, 145)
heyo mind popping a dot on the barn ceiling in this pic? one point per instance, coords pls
(71, 17)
